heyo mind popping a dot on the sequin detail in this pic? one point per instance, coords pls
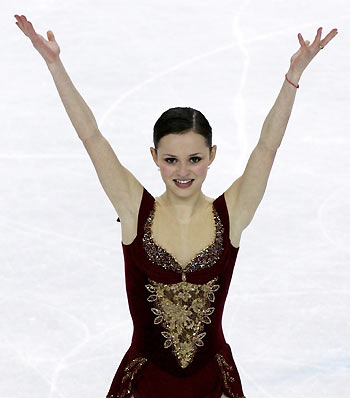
(131, 369)
(228, 378)
(204, 259)
(182, 309)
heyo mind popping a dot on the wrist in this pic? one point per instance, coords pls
(54, 65)
(294, 76)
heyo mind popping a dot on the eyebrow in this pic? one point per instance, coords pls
(192, 154)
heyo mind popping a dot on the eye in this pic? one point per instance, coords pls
(194, 157)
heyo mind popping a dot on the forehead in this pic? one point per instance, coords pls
(189, 142)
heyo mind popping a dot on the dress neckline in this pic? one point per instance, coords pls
(203, 259)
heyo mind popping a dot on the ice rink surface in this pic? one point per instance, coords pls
(64, 318)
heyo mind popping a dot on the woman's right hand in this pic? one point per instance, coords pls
(48, 49)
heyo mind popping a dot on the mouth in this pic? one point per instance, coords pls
(183, 183)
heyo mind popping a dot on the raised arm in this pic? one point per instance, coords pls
(122, 188)
(245, 194)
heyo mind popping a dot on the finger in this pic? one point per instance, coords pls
(19, 22)
(301, 40)
(316, 42)
(330, 36)
(18, 25)
(50, 35)
(29, 29)
(23, 21)
(22, 24)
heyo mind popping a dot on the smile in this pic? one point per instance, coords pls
(183, 183)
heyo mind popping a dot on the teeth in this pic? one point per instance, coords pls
(183, 182)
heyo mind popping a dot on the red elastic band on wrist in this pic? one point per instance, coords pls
(291, 82)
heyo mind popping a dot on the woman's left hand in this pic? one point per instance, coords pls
(301, 59)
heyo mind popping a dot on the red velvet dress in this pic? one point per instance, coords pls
(178, 349)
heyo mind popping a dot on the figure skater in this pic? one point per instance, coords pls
(179, 248)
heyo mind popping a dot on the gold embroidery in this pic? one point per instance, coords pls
(182, 309)
(225, 370)
(204, 259)
(131, 369)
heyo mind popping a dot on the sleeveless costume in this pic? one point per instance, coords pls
(178, 349)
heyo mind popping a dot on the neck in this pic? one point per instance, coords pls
(184, 209)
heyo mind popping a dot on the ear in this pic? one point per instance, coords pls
(213, 154)
(154, 156)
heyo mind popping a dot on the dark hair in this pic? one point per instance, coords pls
(181, 120)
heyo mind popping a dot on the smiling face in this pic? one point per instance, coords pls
(183, 157)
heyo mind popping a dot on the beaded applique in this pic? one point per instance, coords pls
(131, 369)
(228, 378)
(182, 309)
(205, 258)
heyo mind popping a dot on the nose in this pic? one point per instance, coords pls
(183, 171)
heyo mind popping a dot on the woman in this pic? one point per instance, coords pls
(176, 289)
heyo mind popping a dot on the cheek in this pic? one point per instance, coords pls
(166, 171)
(201, 171)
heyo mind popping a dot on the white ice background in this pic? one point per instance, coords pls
(64, 318)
